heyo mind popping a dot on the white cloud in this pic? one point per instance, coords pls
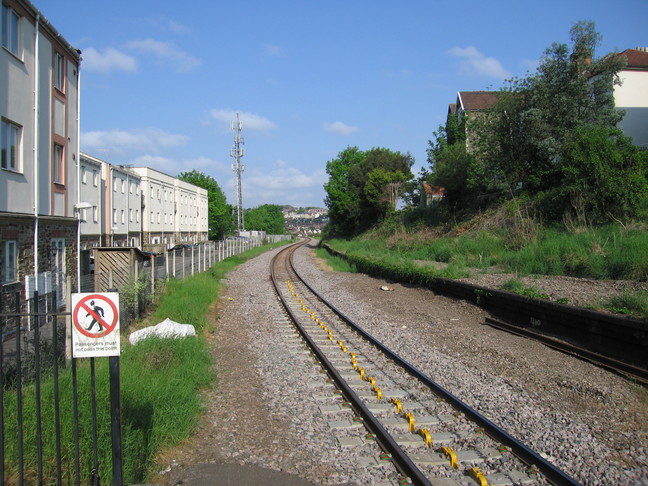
(108, 60)
(339, 128)
(273, 51)
(121, 141)
(473, 62)
(167, 53)
(251, 121)
(282, 185)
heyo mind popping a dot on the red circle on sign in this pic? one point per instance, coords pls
(108, 327)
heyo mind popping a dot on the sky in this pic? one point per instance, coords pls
(162, 80)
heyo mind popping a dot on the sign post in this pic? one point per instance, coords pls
(96, 333)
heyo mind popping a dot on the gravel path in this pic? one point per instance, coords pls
(591, 423)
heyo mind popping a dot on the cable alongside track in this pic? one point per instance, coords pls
(389, 394)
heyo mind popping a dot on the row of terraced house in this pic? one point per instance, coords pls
(56, 202)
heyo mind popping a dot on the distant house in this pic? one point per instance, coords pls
(431, 194)
(39, 116)
(632, 95)
(471, 104)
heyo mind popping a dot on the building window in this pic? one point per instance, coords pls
(95, 214)
(83, 175)
(115, 185)
(158, 218)
(152, 220)
(130, 187)
(10, 24)
(137, 215)
(114, 216)
(158, 195)
(95, 178)
(123, 184)
(57, 170)
(137, 189)
(59, 71)
(10, 134)
(10, 261)
(130, 215)
(123, 216)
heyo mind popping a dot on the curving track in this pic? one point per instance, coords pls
(431, 436)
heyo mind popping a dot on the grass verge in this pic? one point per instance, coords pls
(161, 381)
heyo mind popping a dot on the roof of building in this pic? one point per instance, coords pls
(476, 100)
(637, 58)
(433, 190)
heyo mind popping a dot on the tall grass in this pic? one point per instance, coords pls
(160, 379)
(609, 252)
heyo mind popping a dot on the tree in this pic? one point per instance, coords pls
(219, 213)
(521, 141)
(342, 201)
(268, 218)
(363, 186)
(604, 175)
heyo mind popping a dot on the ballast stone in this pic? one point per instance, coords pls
(165, 329)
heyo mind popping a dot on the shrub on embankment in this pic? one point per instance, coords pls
(160, 392)
(419, 256)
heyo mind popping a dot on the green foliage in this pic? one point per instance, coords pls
(268, 218)
(516, 287)
(220, 220)
(335, 262)
(452, 170)
(603, 175)
(363, 187)
(631, 303)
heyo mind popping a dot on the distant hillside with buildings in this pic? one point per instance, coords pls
(307, 221)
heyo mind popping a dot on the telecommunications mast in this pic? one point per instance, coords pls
(237, 152)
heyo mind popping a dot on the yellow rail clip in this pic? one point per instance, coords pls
(361, 371)
(451, 455)
(378, 392)
(410, 418)
(425, 433)
(478, 475)
(399, 405)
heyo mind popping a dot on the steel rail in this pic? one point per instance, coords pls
(399, 458)
(528, 456)
(626, 369)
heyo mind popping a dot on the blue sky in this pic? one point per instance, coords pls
(162, 80)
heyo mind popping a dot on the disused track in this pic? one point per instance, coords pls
(384, 390)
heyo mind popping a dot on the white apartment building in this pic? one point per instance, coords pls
(632, 95)
(191, 206)
(124, 205)
(92, 190)
(173, 211)
(39, 75)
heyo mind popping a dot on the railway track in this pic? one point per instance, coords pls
(430, 436)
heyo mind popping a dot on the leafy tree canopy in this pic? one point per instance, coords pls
(268, 218)
(219, 213)
(363, 187)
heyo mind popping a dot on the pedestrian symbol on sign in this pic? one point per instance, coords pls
(96, 312)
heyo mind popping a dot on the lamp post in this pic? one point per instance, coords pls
(78, 207)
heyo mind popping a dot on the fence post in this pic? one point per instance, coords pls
(68, 322)
(152, 275)
(192, 260)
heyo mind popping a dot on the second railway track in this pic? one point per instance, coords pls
(430, 436)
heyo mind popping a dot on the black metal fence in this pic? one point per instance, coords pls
(46, 436)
